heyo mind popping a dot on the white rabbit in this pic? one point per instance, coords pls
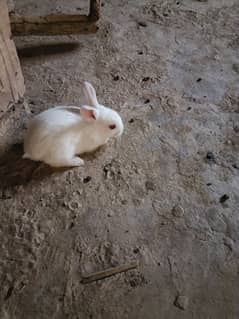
(57, 135)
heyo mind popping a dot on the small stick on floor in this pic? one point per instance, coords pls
(108, 273)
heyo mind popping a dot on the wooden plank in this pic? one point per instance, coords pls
(54, 24)
(11, 79)
(57, 24)
(94, 14)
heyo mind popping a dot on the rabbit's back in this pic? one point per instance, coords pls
(46, 128)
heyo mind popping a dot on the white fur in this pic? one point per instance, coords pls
(57, 135)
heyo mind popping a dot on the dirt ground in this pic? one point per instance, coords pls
(165, 195)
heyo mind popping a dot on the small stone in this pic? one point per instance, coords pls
(199, 80)
(235, 67)
(71, 225)
(210, 157)
(224, 198)
(146, 101)
(136, 250)
(116, 78)
(87, 179)
(236, 128)
(229, 243)
(131, 121)
(146, 78)
(149, 185)
(178, 211)
(181, 302)
(74, 205)
(142, 24)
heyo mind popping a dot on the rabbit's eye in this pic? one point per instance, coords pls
(112, 126)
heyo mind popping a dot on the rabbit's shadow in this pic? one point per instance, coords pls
(15, 171)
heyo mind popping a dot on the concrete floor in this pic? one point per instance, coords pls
(165, 195)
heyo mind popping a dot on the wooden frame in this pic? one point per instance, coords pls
(12, 86)
(56, 24)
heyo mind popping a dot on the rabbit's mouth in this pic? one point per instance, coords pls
(118, 135)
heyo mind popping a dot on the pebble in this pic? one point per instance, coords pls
(235, 67)
(235, 166)
(229, 243)
(149, 185)
(236, 128)
(178, 211)
(71, 225)
(142, 24)
(181, 302)
(146, 78)
(224, 198)
(87, 179)
(74, 205)
(211, 157)
(136, 250)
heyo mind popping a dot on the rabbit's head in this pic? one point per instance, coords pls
(107, 120)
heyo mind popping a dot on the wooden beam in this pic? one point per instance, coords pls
(11, 79)
(57, 24)
(94, 14)
(51, 25)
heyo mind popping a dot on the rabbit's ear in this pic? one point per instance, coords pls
(89, 113)
(90, 94)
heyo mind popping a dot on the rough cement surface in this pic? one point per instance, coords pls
(171, 68)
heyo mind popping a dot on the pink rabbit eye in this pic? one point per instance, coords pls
(112, 127)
